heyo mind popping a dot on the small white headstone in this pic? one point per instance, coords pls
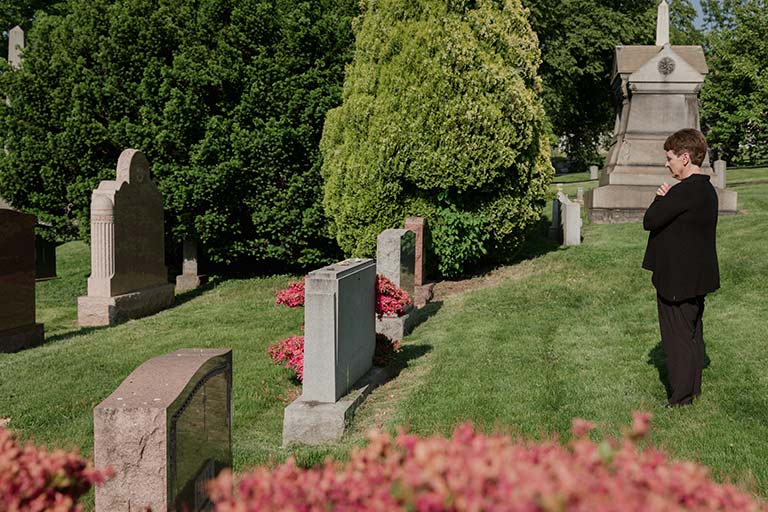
(15, 46)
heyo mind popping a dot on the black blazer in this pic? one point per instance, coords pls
(681, 250)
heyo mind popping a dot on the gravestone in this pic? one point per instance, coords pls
(418, 226)
(570, 219)
(580, 195)
(189, 278)
(18, 329)
(128, 275)
(166, 431)
(339, 343)
(15, 46)
(395, 260)
(555, 228)
(593, 172)
(45, 259)
(656, 94)
(718, 180)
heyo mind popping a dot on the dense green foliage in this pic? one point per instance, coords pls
(440, 115)
(18, 12)
(227, 99)
(577, 39)
(734, 99)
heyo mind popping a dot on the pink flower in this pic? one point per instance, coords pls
(580, 427)
(641, 422)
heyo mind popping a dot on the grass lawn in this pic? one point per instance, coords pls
(567, 332)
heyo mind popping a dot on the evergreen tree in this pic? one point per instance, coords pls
(441, 118)
(227, 99)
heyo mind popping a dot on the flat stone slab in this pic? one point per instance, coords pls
(100, 311)
(19, 338)
(188, 282)
(397, 328)
(317, 423)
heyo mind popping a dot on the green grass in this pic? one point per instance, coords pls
(568, 332)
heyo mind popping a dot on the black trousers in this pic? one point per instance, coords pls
(682, 339)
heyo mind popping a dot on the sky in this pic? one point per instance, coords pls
(699, 20)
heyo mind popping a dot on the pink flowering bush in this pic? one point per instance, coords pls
(476, 472)
(33, 479)
(290, 352)
(390, 299)
(293, 296)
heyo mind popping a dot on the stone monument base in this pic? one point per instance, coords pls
(19, 338)
(398, 327)
(616, 204)
(315, 423)
(187, 282)
(99, 311)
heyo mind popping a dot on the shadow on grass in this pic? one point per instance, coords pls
(657, 358)
(81, 331)
(426, 312)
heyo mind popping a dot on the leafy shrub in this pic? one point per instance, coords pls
(390, 299)
(33, 479)
(440, 109)
(226, 98)
(473, 471)
(459, 237)
(293, 296)
(291, 352)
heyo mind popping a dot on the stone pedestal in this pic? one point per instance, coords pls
(18, 329)
(166, 431)
(339, 343)
(190, 279)
(128, 275)
(397, 328)
(98, 311)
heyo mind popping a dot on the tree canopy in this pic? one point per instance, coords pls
(441, 118)
(734, 99)
(227, 99)
(577, 40)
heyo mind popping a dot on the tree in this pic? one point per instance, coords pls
(227, 99)
(734, 99)
(577, 40)
(440, 118)
(22, 13)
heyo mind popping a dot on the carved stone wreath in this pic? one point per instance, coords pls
(666, 66)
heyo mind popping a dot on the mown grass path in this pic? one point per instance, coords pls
(568, 332)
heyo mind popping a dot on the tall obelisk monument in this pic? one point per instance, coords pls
(656, 90)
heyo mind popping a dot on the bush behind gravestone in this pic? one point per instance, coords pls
(226, 98)
(441, 113)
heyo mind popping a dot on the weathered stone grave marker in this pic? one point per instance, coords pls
(593, 173)
(418, 226)
(339, 343)
(570, 220)
(128, 275)
(189, 278)
(18, 329)
(166, 431)
(718, 179)
(395, 260)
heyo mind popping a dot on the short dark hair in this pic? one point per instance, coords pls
(688, 140)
